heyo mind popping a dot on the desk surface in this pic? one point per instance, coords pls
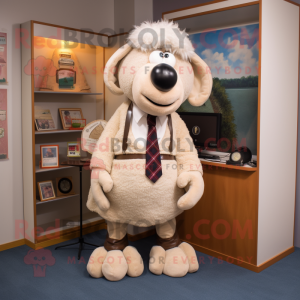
(224, 166)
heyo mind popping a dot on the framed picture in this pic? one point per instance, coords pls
(3, 58)
(49, 156)
(78, 124)
(43, 119)
(46, 190)
(73, 149)
(233, 63)
(67, 114)
(3, 124)
(66, 78)
(64, 186)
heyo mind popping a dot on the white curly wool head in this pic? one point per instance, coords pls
(161, 35)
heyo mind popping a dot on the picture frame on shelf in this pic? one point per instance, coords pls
(66, 78)
(43, 119)
(67, 114)
(74, 149)
(64, 186)
(49, 156)
(78, 124)
(46, 190)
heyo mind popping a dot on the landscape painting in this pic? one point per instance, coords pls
(232, 56)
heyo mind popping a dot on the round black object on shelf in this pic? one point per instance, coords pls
(163, 77)
(65, 185)
(246, 154)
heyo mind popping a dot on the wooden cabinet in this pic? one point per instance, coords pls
(56, 220)
(245, 217)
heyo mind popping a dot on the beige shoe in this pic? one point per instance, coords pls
(94, 266)
(115, 266)
(134, 261)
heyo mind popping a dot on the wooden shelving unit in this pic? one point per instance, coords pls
(38, 202)
(67, 93)
(92, 104)
(56, 131)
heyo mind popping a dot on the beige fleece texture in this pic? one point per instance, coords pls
(134, 199)
(176, 263)
(134, 261)
(94, 266)
(120, 192)
(191, 255)
(157, 260)
(114, 266)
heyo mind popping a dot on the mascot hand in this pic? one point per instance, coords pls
(194, 185)
(101, 181)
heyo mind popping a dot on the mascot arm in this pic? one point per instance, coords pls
(189, 167)
(101, 163)
(103, 154)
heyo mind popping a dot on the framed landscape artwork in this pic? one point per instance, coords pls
(232, 57)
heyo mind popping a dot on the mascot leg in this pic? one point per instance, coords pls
(116, 258)
(172, 257)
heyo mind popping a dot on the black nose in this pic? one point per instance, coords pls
(163, 77)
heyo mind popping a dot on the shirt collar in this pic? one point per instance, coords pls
(138, 114)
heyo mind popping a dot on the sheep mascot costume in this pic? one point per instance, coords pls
(145, 168)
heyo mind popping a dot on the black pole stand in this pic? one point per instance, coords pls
(81, 241)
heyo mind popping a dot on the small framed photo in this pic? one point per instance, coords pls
(46, 190)
(78, 124)
(49, 156)
(43, 119)
(67, 114)
(44, 125)
(73, 149)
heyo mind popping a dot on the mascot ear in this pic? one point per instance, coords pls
(202, 82)
(110, 74)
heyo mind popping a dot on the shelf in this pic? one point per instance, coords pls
(85, 223)
(39, 170)
(56, 131)
(56, 199)
(224, 166)
(69, 93)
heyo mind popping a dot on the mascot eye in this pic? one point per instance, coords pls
(169, 59)
(156, 57)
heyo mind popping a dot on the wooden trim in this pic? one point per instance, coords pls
(292, 2)
(244, 264)
(258, 115)
(67, 235)
(223, 257)
(215, 11)
(69, 28)
(297, 136)
(224, 166)
(142, 235)
(33, 125)
(70, 230)
(275, 259)
(80, 30)
(12, 244)
(193, 6)
(103, 81)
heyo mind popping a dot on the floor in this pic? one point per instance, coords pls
(66, 278)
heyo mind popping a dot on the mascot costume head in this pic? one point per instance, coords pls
(145, 168)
